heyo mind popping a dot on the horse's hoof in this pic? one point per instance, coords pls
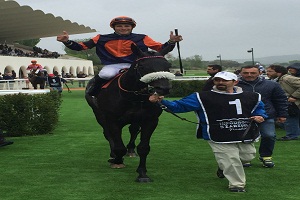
(117, 166)
(143, 180)
(132, 154)
(111, 160)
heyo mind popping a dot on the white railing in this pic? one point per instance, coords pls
(6, 92)
(19, 84)
(16, 84)
(187, 78)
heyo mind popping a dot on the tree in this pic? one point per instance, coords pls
(89, 54)
(30, 42)
(193, 62)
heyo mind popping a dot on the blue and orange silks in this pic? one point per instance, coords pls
(114, 48)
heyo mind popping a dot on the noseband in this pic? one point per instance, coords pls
(141, 91)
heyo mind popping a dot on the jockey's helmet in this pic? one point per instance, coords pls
(33, 61)
(122, 20)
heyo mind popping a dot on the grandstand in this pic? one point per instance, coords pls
(22, 23)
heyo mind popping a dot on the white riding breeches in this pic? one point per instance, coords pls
(109, 71)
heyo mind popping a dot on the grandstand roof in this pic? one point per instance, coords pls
(22, 22)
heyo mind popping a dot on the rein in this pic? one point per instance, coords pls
(142, 58)
(140, 92)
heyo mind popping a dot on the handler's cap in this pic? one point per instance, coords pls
(51, 75)
(228, 76)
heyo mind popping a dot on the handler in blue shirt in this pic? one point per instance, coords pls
(225, 113)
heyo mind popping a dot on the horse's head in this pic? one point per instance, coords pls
(153, 70)
(36, 72)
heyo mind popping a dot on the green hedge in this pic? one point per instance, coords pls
(23, 114)
(184, 88)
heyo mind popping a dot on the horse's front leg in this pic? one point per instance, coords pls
(119, 148)
(143, 149)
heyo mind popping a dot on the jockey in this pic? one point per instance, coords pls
(34, 66)
(114, 49)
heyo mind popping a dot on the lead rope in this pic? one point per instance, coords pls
(165, 108)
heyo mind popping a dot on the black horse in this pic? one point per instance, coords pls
(37, 77)
(125, 101)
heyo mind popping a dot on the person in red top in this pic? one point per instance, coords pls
(114, 49)
(34, 65)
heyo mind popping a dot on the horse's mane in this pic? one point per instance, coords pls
(151, 52)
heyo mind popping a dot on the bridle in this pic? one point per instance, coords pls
(136, 92)
(144, 91)
(145, 57)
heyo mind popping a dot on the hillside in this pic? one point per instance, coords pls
(273, 59)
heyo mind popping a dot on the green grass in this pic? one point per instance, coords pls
(200, 72)
(71, 164)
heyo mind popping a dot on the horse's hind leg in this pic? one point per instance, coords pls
(134, 130)
(42, 85)
(34, 86)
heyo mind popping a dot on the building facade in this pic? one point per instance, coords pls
(63, 66)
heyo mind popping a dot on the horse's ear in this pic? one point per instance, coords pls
(166, 50)
(136, 50)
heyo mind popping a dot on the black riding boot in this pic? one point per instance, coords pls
(95, 88)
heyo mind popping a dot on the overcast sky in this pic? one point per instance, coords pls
(208, 27)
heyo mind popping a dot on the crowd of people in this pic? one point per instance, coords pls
(9, 50)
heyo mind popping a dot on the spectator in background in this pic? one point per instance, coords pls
(14, 75)
(237, 72)
(212, 70)
(177, 73)
(3, 141)
(81, 75)
(55, 82)
(68, 75)
(275, 102)
(291, 86)
(261, 68)
(9, 77)
(294, 69)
